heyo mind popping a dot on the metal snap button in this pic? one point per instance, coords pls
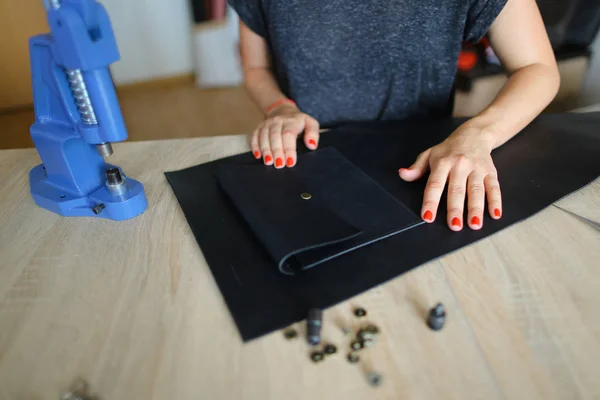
(306, 196)
(317, 356)
(330, 349)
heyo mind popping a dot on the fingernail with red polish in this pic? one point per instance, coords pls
(256, 154)
(497, 213)
(279, 162)
(312, 143)
(428, 216)
(475, 221)
(456, 222)
(290, 161)
(268, 159)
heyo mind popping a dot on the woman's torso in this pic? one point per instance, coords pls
(347, 60)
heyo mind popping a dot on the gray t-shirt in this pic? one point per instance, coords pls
(363, 60)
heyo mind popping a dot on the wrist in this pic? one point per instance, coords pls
(288, 103)
(486, 131)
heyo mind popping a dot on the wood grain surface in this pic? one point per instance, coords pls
(132, 308)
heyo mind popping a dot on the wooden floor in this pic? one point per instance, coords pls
(177, 109)
(153, 112)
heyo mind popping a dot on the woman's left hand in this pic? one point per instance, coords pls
(464, 162)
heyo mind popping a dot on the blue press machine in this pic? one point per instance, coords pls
(77, 116)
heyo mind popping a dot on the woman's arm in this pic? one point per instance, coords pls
(275, 138)
(463, 161)
(519, 38)
(258, 77)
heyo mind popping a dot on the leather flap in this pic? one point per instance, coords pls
(318, 210)
(285, 223)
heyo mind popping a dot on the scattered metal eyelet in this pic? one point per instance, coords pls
(314, 323)
(374, 379)
(79, 390)
(367, 343)
(436, 317)
(317, 356)
(306, 196)
(70, 396)
(330, 349)
(372, 329)
(360, 312)
(290, 334)
(365, 335)
(356, 345)
(353, 357)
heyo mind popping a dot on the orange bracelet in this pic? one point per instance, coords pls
(278, 103)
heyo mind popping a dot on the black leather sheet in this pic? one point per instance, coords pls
(554, 156)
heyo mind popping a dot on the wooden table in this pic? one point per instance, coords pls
(132, 308)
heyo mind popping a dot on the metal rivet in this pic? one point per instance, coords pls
(330, 349)
(365, 335)
(290, 334)
(353, 357)
(356, 345)
(313, 326)
(317, 356)
(372, 329)
(79, 390)
(70, 396)
(437, 317)
(306, 196)
(360, 312)
(367, 342)
(374, 378)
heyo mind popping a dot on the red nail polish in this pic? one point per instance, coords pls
(290, 161)
(256, 154)
(312, 142)
(475, 221)
(268, 159)
(497, 213)
(279, 162)
(456, 222)
(428, 216)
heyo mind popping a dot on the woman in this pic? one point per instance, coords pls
(316, 63)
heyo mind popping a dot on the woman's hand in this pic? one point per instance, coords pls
(463, 161)
(275, 138)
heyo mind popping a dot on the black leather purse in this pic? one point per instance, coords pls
(320, 209)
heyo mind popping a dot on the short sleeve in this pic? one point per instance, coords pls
(481, 15)
(251, 13)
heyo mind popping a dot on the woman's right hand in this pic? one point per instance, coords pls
(275, 138)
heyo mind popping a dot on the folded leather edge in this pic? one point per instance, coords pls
(348, 250)
(282, 262)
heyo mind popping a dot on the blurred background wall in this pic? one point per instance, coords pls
(180, 73)
(154, 37)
